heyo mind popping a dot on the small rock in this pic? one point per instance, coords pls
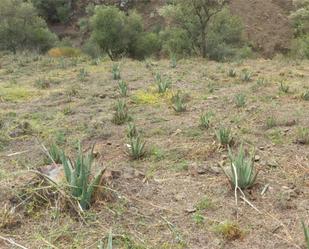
(190, 210)
(201, 171)
(272, 164)
(257, 158)
(214, 170)
(224, 157)
(261, 148)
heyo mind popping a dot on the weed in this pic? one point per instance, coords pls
(123, 88)
(204, 203)
(306, 233)
(178, 103)
(78, 173)
(240, 100)
(116, 72)
(232, 73)
(205, 119)
(303, 136)
(283, 87)
(121, 114)
(198, 218)
(246, 76)
(136, 148)
(224, 136)
(132, 131)
(242, 172)
(229, 230)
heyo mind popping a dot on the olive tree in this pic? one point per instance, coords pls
(194, 17)
(22, 28)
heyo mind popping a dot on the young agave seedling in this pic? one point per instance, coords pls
(116, 72)
(78, 177)
(205, 120)
(224, 136)
(132, 131)
(173, 61)
(240, 100)
(242, 173)
(163, 85)
(178, 103)
(136, 148)
(83, 74)
(121, 114)
(246, 76)
(305, 95)
(306, 233)
(284, 87)
(123, 88)
(55, 154)
(232, 73)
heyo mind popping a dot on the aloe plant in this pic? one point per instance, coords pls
(242, 169)
(131, 130)
(123, 88)
(224, 136)
(121, 113)
(116, 72)
(205, 120)
(137, 147)
(78, 176)
(55, 153)
(306, 233)
(178, 103)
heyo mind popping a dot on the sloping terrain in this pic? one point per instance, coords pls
(177, 196)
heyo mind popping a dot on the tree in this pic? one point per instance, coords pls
(194, 16)
(22, 28)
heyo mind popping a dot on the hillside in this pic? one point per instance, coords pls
(266, 22)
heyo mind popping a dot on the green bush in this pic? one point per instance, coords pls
(146, 45)
(176, 41)
(300, 47)
(118, 34)
(22, 28)
(54, 10)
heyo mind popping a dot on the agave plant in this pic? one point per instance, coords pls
(242, 172)
(283, 87)
(136, 147)
(123, 88)
(205, 120)
(240, 100)
(306, 233)
(246, 76)
(232, 73)
(178, 103)
(55, 154)
(121, 114)
(132, 131)
(78, 177)
(224, 136)
(116, 72)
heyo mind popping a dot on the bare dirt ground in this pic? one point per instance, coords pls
(176, 196)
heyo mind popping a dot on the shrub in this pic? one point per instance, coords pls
(242, 172)
(78, 176)
(300, 47)
(148, 43)
(118, 34)
(176, 41)
(64, 52)
(54, 10)
(21, 27)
